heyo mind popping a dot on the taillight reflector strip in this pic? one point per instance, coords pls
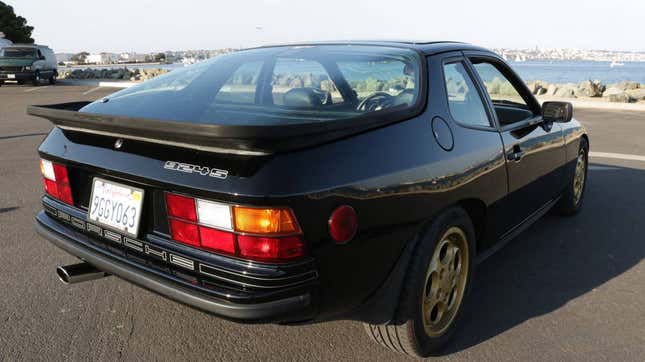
(262, 234)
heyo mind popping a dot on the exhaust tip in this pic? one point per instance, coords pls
(81, 272)
(62, 274)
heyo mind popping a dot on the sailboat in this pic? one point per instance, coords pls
(616, 63)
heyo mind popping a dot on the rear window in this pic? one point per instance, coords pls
(277, 85)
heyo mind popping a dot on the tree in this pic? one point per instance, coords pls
(79, 57)
(160, 57)
(14, 27)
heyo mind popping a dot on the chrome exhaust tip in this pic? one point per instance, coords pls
(81, 272)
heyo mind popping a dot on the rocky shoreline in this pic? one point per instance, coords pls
(622, 92)
(135, 74)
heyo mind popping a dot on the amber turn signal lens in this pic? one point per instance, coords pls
(265, 221)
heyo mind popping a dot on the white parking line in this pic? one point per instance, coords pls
(620, 156)
(36, 88)
(91, 90)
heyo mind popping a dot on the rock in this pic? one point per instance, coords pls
(621, 98)
(626, 85)
(534, 87)
(590, 89)
(637, 94)
(612, 91)
(551, 90)
(566, 91)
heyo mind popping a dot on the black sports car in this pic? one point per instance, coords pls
(311, 182)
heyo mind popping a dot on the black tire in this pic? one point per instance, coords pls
(21, 82)
(52, 79)
(36, 80)
(407, 333)
(569, 204)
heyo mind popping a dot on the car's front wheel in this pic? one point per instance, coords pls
(53, 78)
(36, 81)
(437, 284)
(572, 197)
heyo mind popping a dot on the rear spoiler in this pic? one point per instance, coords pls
(233, 139)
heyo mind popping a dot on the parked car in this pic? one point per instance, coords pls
(28, 63)
(311, 182)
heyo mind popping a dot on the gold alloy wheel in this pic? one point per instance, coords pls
(445, 282)
(579, 178)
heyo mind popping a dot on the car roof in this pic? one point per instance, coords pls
(426, 47)
(19, 45)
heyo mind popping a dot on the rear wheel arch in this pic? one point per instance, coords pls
(478, 213)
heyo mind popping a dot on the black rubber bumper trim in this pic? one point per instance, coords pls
(267, 311)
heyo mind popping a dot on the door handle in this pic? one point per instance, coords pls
(516, 154)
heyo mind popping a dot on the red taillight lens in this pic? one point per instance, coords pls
(343, 224)
(184, 232)
(217, 240)
(181, 207)
(270, 249)
(56, 181)
(239, 231)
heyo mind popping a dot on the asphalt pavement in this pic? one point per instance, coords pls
(566, 289)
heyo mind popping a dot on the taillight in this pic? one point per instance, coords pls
(56, 181)
(262, 234)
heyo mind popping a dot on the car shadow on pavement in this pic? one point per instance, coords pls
(559, 259)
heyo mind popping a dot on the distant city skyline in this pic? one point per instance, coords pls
(150, 26)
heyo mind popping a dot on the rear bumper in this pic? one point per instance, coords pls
(5, 75)
(290, 309)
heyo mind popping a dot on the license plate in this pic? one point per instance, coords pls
(11, 76)
(116, 206)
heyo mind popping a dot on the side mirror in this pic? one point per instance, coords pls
(557, 111)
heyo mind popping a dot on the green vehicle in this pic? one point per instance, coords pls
(28, 63)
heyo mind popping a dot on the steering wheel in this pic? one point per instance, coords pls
(375, 101)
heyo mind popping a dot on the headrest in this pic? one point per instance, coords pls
(302, 97)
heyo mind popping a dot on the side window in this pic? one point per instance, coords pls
(466, 106)
(240, 86)
(510, 106)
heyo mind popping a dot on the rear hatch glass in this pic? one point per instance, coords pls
(278, 86)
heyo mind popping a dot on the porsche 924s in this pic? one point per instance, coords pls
(311, 182)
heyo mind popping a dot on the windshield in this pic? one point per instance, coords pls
(277, 85)
(27, 53)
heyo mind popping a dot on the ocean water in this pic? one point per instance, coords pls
(577, 71)
(557, 71)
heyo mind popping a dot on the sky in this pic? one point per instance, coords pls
(147, 26)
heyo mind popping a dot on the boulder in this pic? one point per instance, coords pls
(551, 90)
(637, 94)
(612, 91)
(590, 89)
(626, 85)
(566, 91)
(621, 98)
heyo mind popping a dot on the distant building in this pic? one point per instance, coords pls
(101, 58)
(132, 58)
(63, 57)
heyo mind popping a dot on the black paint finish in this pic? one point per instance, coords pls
(396, 177)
